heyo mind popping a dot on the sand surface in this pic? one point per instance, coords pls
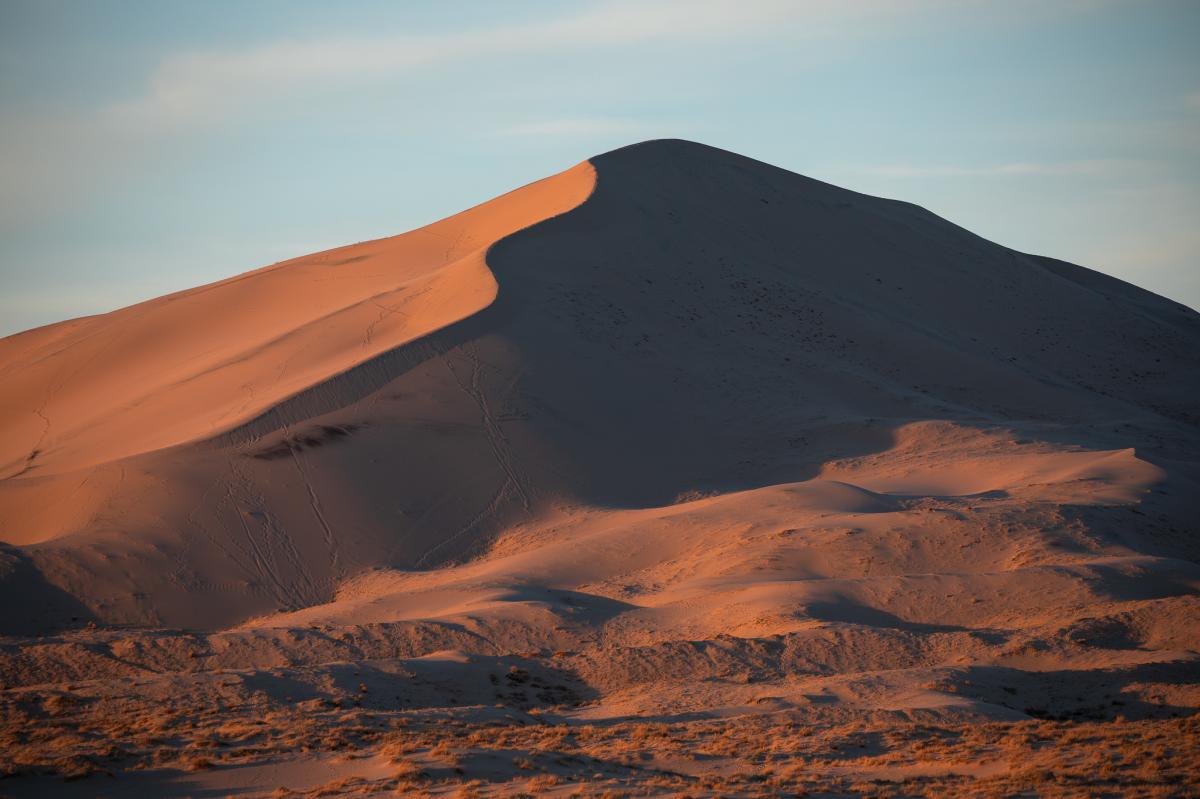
(673, 473)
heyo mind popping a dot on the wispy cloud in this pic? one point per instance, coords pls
(1084, 168)
(572, 126)
(47, 159)
(193, 85)
(50, 159)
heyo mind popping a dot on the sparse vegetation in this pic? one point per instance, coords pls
(457, 754)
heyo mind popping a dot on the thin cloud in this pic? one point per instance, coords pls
(46, 158)
(577, 126)
(1085, 168)
(193, 85)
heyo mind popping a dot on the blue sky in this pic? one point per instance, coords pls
(151, 146)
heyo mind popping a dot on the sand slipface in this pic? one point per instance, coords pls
(670, 436)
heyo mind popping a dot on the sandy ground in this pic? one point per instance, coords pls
(671, 474)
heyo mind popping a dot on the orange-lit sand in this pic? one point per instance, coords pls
(674, 473)
(188, 366)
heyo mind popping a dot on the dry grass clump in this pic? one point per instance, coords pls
(540, 783)
(468, 790)
(198, 764)
(407, 770)
(395, 750)
(346, 786)
(444, 752)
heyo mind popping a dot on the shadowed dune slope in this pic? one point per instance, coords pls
(665, 321)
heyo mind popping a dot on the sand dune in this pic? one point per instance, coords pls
(673, 434)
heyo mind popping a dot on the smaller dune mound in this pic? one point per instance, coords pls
(944, 459)
(951, 511)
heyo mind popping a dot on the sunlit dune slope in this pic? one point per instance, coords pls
(195, 363)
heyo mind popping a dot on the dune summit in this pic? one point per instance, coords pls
(672, 434)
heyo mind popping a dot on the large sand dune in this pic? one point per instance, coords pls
(720, 436)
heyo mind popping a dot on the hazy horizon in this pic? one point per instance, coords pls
(147, 148)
